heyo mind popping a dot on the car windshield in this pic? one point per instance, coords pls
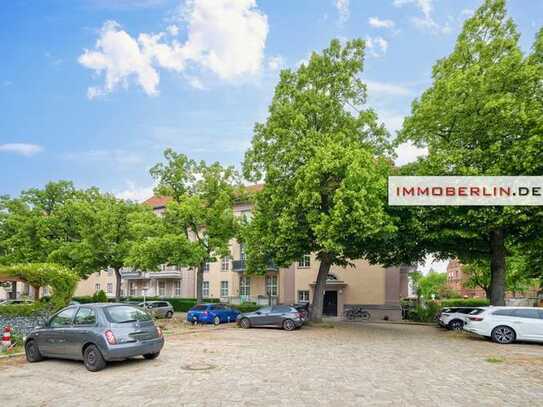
(476, 311)
(125, 313)
(199, 308)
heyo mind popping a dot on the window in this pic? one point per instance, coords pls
(132, 288)
(97, 287)
(305, 261)
(85, 316)
(205, 289)
(161, 288)
(224, 288)
(109, 288)
(282, 309)
(178, 288)
(125, 313)
(45, 291)
(225, 263)
(245, 286)
(63, 318)
(527, 313)
(271, 286)
(504, 312)
(206, 267)
(303, 296)
(241, 251)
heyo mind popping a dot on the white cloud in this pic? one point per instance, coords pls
(407, 152)
(120, 57)
(376, 46)
(426, 22)
(376, 22)
(385, 88)
(342, 7)
(115, 157)
(225, 37)
(23, 149)
(276, 63)
(134, 192)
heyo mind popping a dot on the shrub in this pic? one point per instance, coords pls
(99, 296)
(84, 299)
(20, 310)
(247, 307)
(465, 302)
(424, 313)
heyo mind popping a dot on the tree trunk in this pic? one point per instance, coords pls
(487, 293)
(318, 293)
(497, 267)
(199, 284)
(117, 284)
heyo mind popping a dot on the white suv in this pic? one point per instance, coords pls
(508, 324)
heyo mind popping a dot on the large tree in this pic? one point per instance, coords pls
(323, 158)
(481, 116)
(198, 223)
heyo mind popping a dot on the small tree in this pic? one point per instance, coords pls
(198, 223)
(323, 159)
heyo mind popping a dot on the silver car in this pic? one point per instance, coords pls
(159, 309)
(280, 316)
(96, 334)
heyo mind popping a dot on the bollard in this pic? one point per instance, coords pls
(6, 338)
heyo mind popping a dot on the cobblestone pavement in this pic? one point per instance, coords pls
(355, 365)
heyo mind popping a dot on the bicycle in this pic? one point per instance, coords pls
(357, 313)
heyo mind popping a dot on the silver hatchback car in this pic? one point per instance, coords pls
(159, 309)
(96, 334)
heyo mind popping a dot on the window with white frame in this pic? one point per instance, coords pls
(110, 288)
(245, 286)
(178, 288)
(97, 287)
(161, 288)
(241, 251)
(224, 289)
(305, 261)
(132, 288)
(206, 267)
(205, 289)
(303, 296)
(225, 263)
(45, 291)
(271, 286)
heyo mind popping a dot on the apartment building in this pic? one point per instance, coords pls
(373, 287)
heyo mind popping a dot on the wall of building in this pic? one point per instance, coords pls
(102, 280)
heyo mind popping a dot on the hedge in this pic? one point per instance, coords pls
(248, 307)
(465, 302)
(179, 304)
(21, 310)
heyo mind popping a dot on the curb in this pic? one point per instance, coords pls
(13, 355)
(391, 323)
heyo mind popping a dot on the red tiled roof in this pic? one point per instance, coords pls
(157, 201)
(161, 201)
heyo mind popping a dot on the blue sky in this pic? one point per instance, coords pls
(94, 90)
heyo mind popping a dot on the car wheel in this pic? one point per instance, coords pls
(32, 352)
(503, 334)
(93, 359)
(151, 356)
(245, 323)
(456, 325)
(289, 325)
(169, 315)
(216, 320)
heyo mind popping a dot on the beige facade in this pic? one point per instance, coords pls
(373, 287)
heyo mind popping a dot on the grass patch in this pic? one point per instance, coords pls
(495, 359)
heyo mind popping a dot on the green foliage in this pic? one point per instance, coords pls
(424, 313)
(429, 286)
(324, 159)
(465, 302)
(99, 296)
(21, 310)
(62, 281)
(198, 223)
(481, 116)
(247, 307)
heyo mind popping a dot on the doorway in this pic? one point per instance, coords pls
(329, 306)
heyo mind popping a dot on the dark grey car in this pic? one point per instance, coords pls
(280, 316)
(96, 334)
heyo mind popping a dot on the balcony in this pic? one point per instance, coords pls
(239, 266)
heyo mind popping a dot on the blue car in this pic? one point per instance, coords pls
(212, 314)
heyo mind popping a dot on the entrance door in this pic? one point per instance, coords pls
(330, 303)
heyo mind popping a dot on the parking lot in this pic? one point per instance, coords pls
(341, 364)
